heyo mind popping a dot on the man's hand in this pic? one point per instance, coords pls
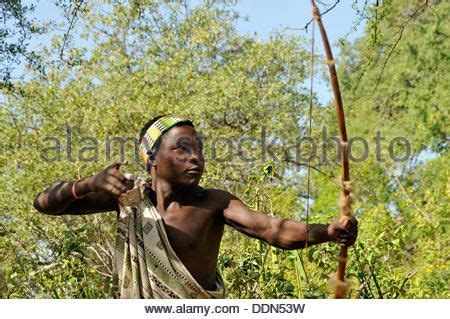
(98, 193)
(110, 180)
(343, 230)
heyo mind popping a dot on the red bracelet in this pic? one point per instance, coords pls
(74, 194)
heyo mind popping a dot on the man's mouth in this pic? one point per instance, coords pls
(194, 170)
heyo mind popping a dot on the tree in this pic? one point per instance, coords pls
(17, 29)
(146, 58)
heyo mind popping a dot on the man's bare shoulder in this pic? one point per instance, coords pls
(219, 197)
(217, 194)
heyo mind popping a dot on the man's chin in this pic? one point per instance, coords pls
(191, 181)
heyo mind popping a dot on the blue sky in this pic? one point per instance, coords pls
(288, 15)
(266, 16)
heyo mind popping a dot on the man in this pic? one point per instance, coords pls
(170, 229)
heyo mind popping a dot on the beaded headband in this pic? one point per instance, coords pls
(155, 131)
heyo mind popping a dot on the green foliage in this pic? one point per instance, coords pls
(152, 57)
(404, 205)
(17, 29)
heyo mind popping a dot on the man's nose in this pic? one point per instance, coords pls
(196, 158)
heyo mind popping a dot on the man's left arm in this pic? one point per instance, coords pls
(286, 233)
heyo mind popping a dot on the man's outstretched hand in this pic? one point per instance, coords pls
(343, 231)
(110, 180)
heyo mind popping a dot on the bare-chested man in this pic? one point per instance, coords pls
(193, 217)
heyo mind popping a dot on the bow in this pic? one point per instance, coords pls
(338, 283)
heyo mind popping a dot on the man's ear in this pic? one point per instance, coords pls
(151, 161)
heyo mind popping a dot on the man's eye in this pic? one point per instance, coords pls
(183, 148)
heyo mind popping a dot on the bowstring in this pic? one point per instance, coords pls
(308, 178)
(311, 104)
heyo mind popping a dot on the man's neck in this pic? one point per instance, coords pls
(166, 193)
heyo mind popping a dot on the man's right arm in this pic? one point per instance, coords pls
(285, 233)
(98, 193)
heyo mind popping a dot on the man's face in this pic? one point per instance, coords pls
(179, 159)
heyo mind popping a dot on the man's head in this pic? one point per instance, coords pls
(173, 150)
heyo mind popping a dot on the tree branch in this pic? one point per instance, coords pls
(402, 29)
(312, 19)
(71, 23)
(422, 212)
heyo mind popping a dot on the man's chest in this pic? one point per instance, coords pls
(192, 228)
